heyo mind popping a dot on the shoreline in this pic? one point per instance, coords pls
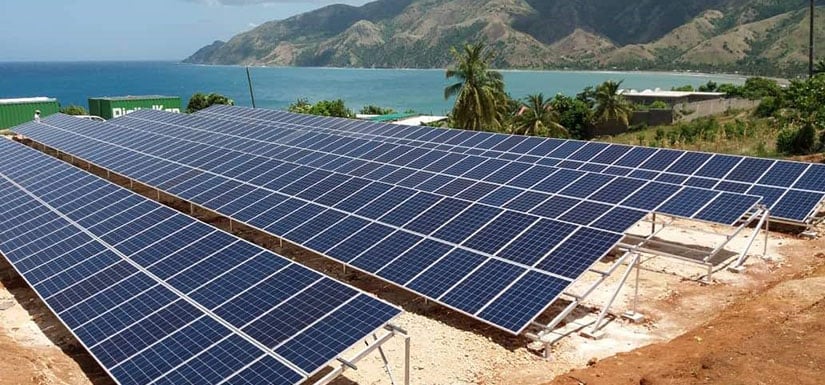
(688, 73)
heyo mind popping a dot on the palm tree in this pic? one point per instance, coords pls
(610, 105)
(479, 92)
(537, 117)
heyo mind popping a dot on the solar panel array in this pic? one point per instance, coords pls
(158, 297)
(607, 202)
(792, 190)
(499, 265)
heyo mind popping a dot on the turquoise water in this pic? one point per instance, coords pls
(421, 90)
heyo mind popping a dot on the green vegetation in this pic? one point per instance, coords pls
(734, 133)
(73, 110)
(375, 110)
(787, 122)
(536, 116)
(200, 101)
(610, 105)
(480, 101)
(335, 108)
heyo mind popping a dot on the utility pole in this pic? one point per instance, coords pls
(811, 45)
(252, 94)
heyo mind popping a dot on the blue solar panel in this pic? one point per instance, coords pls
(662, 159)
(617, 190)
(359, 242)
(587, 185)
(722, 209)
(813, 179)
(143, 294)
(585, 212)
(718, 166)
(500, 231)
(467, 223)
(534, 243)
(750, 170)
(515, 307)
(386, 251)
(635, 157)
(687, 202)
(478, 288)
(437, 215)
(796, 205)
(414, 261)
(440, 276)
(575, 255)
(345, 237)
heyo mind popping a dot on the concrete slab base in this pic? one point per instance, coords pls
(736, 269)
(633, 316)
(809, 234)
(592, 335)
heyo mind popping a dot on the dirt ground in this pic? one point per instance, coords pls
(764, 326)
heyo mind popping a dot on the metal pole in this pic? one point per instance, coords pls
(249, 80)
(767, 228)
(609, 303)
(636, 290)
(407, 360)
(811, 44)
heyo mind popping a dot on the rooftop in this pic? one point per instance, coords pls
(38, 99)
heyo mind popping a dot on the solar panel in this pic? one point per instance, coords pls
(493, 169)
(372, 229)
(711, 171)
(156, 296)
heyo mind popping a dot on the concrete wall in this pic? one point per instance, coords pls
(686, 112)
(683, 112)
(650, 118)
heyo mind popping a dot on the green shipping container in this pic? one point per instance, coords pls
(14, 112)
(113, 107)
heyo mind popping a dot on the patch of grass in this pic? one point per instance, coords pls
(736, 132)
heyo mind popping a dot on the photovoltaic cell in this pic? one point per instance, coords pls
(140, 294)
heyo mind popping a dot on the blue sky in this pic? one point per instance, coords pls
(46, 30)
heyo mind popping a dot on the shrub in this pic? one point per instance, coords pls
(376, 110)
(796, 141)
(659, 105)
(767, 107)
(74, 110)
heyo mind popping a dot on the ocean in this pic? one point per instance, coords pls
(277, 87)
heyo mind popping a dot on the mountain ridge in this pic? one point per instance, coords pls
(761, 36)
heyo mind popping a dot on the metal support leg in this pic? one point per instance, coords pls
(131, 184)
(709, 277)
(386, 361)
(767, 230)
(406, 360)
(230, 225)
(158, 195)
(633, 314)
(603, 313)
(653, 225)
(191, 209)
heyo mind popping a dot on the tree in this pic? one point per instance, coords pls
(610, 105)
(335, 108)
(537, 117)
(73, 110)
(376, 110)
(685, 88)
(575, 114)
(199, 101)
(711, 86)
(480, 101)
